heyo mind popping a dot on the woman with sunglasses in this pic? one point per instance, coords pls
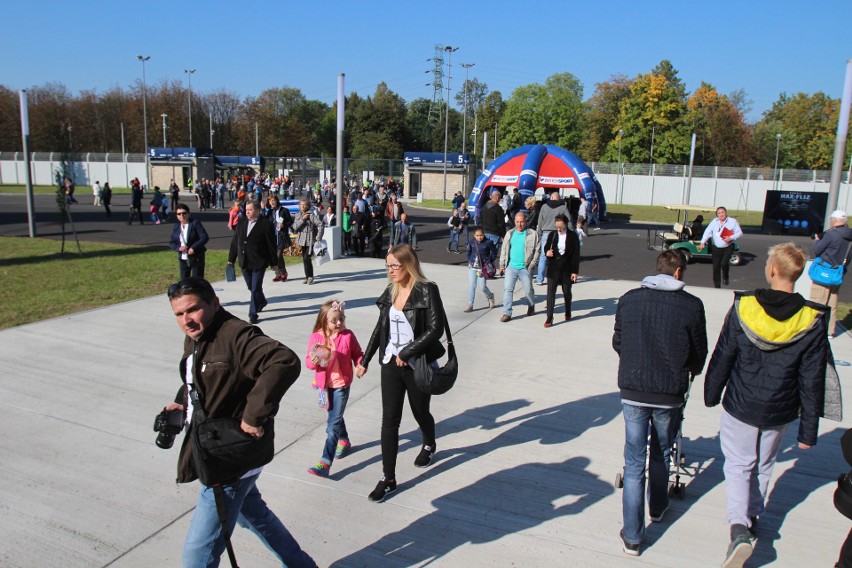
(189, 239)
(411, 322)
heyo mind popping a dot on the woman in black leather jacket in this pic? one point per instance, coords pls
(411, 322)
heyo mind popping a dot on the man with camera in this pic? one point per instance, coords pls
(229, 369)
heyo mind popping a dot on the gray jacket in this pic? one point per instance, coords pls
(532, 244)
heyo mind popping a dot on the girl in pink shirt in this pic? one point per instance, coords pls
(333, 350)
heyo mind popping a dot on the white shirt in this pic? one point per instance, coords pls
(400, 335)
(560, 243)
(715, 229)
(184, 235)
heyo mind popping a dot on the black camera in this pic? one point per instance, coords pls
(168, 423)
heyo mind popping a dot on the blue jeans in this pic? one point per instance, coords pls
(494, 239)
(454, 240)
(336, 427)
(542, 258)
(473, 280)
(512, 276)
(204, 544)
(662, 424)
(254, 282)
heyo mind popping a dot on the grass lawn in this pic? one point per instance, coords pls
(39, 283)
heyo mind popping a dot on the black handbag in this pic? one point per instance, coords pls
(221, 451)
(436, 380)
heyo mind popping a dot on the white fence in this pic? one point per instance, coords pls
(116, 169)
(638, 184)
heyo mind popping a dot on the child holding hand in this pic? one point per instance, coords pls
(333, 350)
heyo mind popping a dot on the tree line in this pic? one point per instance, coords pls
(643, 119)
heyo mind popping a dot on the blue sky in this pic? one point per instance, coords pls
(764, 47)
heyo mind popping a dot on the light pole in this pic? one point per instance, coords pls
(449, 50)
(189, 73)
(618, 172)
(143, 59)
(467, 67)
(777, 148)
(495, 140)
(211, 130)
(164, 115)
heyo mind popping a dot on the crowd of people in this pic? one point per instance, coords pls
(770, 366)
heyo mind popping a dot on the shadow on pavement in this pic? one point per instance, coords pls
(505, 502)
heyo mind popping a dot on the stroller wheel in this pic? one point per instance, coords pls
(619, 481)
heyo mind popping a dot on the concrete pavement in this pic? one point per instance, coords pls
(529, 443)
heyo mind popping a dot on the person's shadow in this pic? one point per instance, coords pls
(812, 469)
(505, 502)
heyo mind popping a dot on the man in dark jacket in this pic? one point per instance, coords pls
(661, 339)
(832, 247)
(770, 361)
(189, 239)
(254, 248)
(237, 371)
(493, 219)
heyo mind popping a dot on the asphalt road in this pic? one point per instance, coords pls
(619, 250)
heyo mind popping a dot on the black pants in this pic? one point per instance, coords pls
(565, 282)
(376, 246)
(721, 264)
(347, 241)
(358, 242)
(396, 382)
(195, 267)
(281, 268)
(135, 211)
(845, 560)
(306, 260)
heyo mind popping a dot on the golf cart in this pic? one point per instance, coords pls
(681, 236)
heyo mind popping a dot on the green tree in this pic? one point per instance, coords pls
(602, 113)
(488, 116)
(380, 125)
(657, 104)
(551, 113)
(809, 126)
(723, 138)
(476, 92)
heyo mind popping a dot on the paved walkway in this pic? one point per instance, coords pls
(529, 444)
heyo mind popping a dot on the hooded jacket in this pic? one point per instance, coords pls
(547, 215)
(661, 337)
(771, 361)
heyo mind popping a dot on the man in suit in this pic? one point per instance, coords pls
(189, 239)
(254, 248)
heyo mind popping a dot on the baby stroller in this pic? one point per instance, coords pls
(677, 457)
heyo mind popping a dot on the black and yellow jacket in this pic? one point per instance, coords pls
(771, 362)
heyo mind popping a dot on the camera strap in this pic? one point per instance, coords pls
(200, 415)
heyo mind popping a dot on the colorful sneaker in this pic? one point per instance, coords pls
(320, 470)
(424, 458)
(343, 449)
(382, 490)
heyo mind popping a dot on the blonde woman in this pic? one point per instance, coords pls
(411, 322)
